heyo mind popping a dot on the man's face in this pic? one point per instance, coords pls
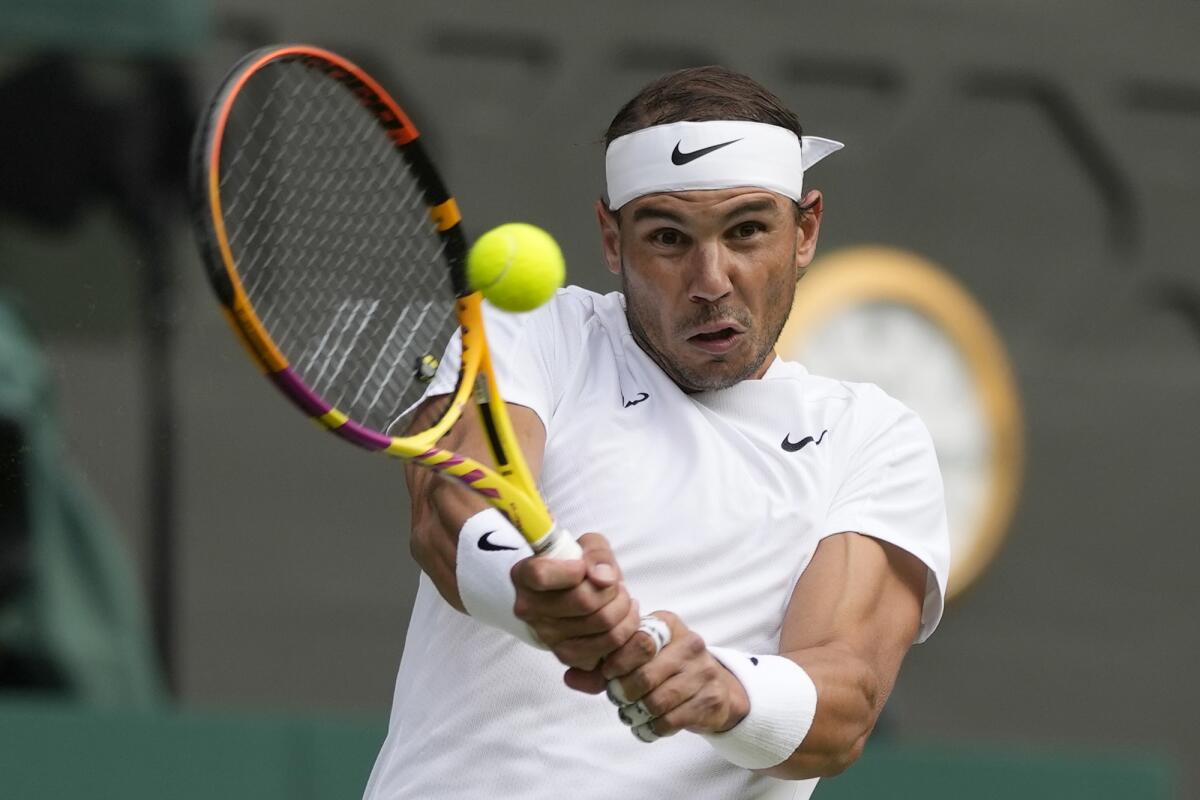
(709, 277)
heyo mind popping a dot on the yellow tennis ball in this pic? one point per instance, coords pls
(516, 266)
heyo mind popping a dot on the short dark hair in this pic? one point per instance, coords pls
(701, 94)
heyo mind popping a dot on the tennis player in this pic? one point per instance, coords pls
(763, 544)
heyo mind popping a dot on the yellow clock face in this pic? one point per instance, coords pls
(891, 318)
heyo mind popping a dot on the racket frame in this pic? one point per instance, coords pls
(509, 487)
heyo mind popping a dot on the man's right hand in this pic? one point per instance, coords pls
(579, 608)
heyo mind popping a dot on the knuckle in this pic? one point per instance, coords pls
(594, 540)
(627, 657)
(645, 647)
(624, 631)
(608, 616)
(628, 630)
(665, 699)
(609, 640)
(618, 607)
(614, 664)
(668, 617)
(588, 601)
(636, 685)
(521, 609)
(519, 574)
(629, 622)
(584, 654)
(666, 725)
(547, 631)
(567, 653)
(710, 701)
(655, 705)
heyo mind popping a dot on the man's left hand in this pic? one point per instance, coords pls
(683, 687)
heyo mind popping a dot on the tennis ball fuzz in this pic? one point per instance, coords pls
(516, 266)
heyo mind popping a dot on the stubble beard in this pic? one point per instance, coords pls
(691, 379)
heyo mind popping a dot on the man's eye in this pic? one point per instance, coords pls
(748, 229)
(668, 237)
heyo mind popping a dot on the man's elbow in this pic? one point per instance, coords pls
(832, 759)
(839, 737)
(840, 761)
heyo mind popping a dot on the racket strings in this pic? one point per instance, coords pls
(331, 235)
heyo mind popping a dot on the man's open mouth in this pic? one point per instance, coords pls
(717, 340)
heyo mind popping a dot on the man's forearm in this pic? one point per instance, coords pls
(439, 509)
(850, 696)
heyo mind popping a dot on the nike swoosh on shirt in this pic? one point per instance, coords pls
(679, 158)
(790, 446)
(485, 544)
(642, 397)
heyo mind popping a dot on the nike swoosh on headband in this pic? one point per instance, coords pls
(679, 158)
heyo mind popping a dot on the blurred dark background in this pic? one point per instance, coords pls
(1044, 154)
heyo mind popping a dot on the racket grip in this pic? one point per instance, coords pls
(558, 543)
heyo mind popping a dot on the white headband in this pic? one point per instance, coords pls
(722, 154)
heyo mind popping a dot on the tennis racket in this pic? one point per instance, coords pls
(338, 256)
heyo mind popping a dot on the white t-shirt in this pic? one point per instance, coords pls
(713, 502)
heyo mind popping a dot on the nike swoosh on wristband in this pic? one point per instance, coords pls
(485, 544)
(679, 158)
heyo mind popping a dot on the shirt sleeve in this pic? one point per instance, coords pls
(892, 491)
(528, 352)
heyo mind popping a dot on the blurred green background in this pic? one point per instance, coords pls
(1043, 154)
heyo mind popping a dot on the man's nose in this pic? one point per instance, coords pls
(709, 279)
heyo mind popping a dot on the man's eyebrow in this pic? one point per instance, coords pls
(751, 207)
(757, 206)
(656, 212)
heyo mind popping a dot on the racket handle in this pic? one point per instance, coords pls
(558, 543)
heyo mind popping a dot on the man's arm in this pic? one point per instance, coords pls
(851, 619)
(590, 610)
(440, 507)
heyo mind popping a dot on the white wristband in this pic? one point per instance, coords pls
(783, 702)
(488, 547)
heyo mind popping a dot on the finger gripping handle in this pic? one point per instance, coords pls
(559, 543)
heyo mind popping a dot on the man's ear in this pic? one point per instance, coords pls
(610, 236)
(810, 227)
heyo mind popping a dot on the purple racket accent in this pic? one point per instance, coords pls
(314, 406)
(363, 437)
(375, 441)
(291, 385)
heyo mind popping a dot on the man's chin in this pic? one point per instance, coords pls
(692, 369)
(711, 375)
